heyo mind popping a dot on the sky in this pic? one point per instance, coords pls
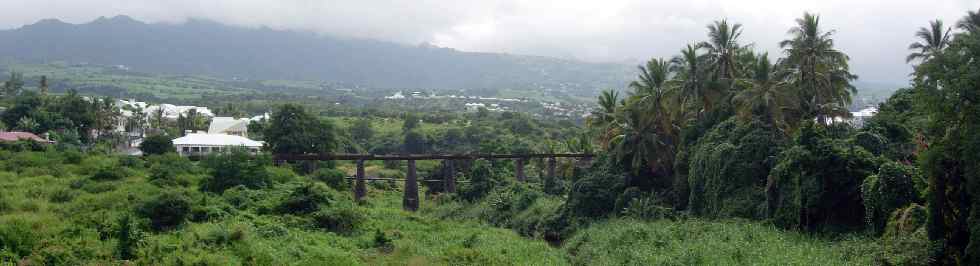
(875, 33)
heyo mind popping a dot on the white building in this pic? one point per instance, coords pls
(398, 95)
(858, 118)
(473, 107)
(203, 144)
(229, 125)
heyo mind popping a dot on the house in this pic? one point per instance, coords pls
(858, 118)
(14, 136)
(230, 126)
(473, 107)
(203, 144)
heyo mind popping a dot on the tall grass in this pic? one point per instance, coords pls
(700, 242)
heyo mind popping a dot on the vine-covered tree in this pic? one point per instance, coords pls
(293, 130)
(948, 82)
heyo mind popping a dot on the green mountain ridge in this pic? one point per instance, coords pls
(200, 47)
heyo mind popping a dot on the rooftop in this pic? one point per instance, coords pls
(198, 139)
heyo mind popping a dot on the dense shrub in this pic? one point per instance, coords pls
(235, 168)
(886, 191)
(306, 198)
(595, 194)
(542, 219)
(648, 208)
(166, 210)
(342, 219)
(482, 179)
(382, 242)
(817, 183)
(60, 196)
(109, 174)
(333, 178)
(506, 202)
(728, 169)
(874, 143)
(17, 239)
(128, 236)
(157, 144)
(628, 195)
(905, 241)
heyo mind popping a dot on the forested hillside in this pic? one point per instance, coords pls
(207, 48)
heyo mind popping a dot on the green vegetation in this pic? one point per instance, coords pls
(54, 211)
(717, 156)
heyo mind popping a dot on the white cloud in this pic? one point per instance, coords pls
(874, 32)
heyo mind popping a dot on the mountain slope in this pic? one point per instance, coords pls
(209, 48)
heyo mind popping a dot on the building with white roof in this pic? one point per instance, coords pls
(858, 118)
(229, 125)
(203, 144)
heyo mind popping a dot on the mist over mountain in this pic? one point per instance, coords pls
(202, 47)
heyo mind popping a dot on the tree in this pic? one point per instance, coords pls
(293, 130)
(43, 87)
(603, 120)
(971, 22)
(157, 144)
(190, 121)
(415, 142)
(362, 131)
(28, 124)
(818, 70)
(722, 47)
(690, 80)
(766, 96)
(947, 85)
(14, 84)
(235, 168)
(136, 123)
(933, 41)
(411, 122)
(157, 119)
(256, 129)
(652, 77)
(166, 211)
(106, 115)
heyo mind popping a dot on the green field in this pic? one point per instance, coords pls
(65, 208)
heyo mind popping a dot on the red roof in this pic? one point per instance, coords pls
(15, 136)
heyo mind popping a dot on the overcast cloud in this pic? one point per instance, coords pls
(875, 33)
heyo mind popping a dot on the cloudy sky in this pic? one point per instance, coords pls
(875, 33)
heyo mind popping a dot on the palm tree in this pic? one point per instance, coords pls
(765, 95)
(643, 131)
(970, 22)
(819, 72)
(652, 77)
(722, 49)
(933, 41)
(690, 81)
(603, 119)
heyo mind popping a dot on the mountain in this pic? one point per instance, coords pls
(200, 47)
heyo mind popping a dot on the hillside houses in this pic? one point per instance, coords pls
(222, 132)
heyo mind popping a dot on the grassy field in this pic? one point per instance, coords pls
(698, 242)
(110, 80)
(66, 208)
(56, 210)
